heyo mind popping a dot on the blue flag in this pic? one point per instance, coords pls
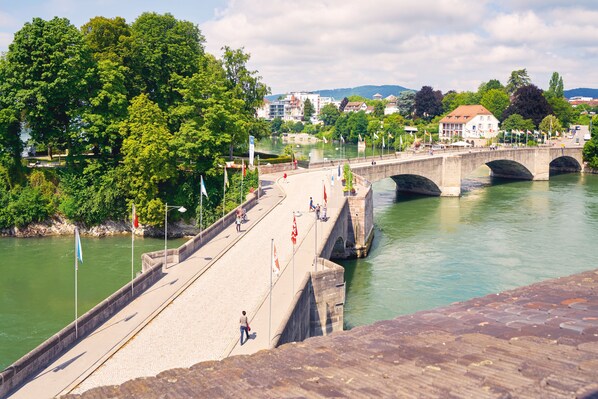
(203, 188)
(78, 250)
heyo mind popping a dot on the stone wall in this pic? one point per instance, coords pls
(318, 306)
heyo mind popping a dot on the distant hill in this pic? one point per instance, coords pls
(584, 92)
(363, 91)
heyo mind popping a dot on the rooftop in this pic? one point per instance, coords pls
(465, 113)
(536, 341)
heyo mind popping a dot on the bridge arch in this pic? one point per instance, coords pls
(509, 169)
(339, 249)
(416, 184)
(564, 164)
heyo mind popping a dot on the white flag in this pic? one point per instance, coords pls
(203, 188)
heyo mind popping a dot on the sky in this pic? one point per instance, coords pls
(325, 44)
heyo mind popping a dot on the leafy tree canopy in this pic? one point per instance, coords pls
(530, 104)
(428, 103)
(495, 101)
(517, 80)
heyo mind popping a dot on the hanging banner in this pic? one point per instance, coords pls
(251, 149)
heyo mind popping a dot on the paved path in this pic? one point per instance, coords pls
(192, 313)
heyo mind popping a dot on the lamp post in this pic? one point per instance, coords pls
(167, 207)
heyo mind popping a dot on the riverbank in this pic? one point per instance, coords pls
(60, 226)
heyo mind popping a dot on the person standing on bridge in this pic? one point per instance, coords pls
(244, 325)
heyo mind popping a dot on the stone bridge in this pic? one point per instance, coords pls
(441, 175)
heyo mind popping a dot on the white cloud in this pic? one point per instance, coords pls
(449, 44)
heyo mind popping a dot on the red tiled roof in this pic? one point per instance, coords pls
(465, 113)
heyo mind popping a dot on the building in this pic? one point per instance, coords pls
(391, 108)
(355, 106)
(468, 122)
(377, 96)
(276, 109)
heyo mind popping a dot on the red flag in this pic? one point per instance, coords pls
(135, 219)
(275, 264)
(294, 232)
(325, 196)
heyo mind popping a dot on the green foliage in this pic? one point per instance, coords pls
(517, 80)
(561, 108)
(379, 107)
(348, 177)
(275, 125)
(517, 122)
(453, 99)
(550, 124)
(93, 195)
(148, 155)
(329, 114)
(108, 38)
(556, 86)
(406, 103)
(308, 110)
(495, 101)
(590, 152)
(48, 70)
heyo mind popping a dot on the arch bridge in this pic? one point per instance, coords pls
(441, 175)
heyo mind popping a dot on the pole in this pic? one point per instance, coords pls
(293, 269)
(200, 217)
(259, 185)
(316, 243)
(132, 247)
(270, 312)
(242, 170)
(76, 272)
(165, 232)
(224, 195)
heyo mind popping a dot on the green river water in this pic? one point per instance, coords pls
(427, 252)
(37, 284)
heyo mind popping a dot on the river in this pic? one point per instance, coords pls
(431, 251)
(37, 284)
(427, 252)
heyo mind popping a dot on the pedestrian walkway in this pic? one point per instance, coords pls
(192, 313)
(82, 359)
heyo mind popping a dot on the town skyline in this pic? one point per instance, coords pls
(316, 45)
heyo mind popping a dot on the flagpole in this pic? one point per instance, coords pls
(258, 178)
(316, 244)
(242, 170)
(132, 247)
(200, 214)
(76, 272)
(270, 312)
(224, 195)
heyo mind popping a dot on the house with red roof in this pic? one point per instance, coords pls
(468, 122)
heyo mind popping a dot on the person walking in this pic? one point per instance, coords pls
(318, 211)
(311, 204)
(244, 326)
(238, 221)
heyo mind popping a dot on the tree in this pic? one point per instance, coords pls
(490, 85)
(106, 109)
(246, 86)
(379, 109)
(555, 86)
(108, 39)
(406, 103)
(495, 101)
(162, 49)
(148, 157)
(590, 152)
(530, 104)
(343, 104)
(428, 103)
(518, 79)
(275, 125)
(452, 100)
(329, 114)
(211, 118)
(551, 124)
(48, 70)
(562, 109)
(308, 110)
(517, 122)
